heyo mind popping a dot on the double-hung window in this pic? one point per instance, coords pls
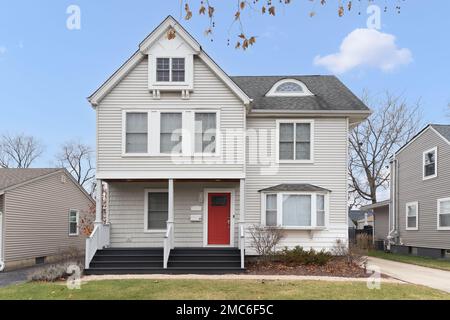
(136, 136)
(412, 216)
(430, 163)
(205, 132)
(295, 210)
(171, 132)
(295, 141)
(170, 69)
(443, 214)
(73, 223)
(157, 209)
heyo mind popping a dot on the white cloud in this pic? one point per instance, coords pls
(366, 47)
(2, 50)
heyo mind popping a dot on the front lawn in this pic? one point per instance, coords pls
(218, 289)
(420, 261)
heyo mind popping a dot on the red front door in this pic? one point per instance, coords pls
(219, 218)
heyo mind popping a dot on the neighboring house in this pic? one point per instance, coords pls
(360, 218)
(192, 158)
(40, 211)
(379, 213)
(420, 193)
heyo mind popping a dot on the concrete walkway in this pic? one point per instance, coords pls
(433, 278)
(228, 277)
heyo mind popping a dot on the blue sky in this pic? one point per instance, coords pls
(47, 71)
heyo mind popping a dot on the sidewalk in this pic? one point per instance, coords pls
(433, 278)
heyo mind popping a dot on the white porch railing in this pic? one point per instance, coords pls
(242, 244)
(168, 243)
(98, 240)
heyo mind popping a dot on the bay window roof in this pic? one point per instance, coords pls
(302, 187)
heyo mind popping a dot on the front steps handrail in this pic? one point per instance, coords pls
(168, 243)
(98, 240)
(242, 245)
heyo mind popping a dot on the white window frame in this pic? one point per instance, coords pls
(218, 135)
(77, 212)
(280, 195)
(409, 204)
(124, 133)
(435, 163)
(146, 192)
(277, 140)
(170, 71)
(273, 91)
(439, 213)
(183, 134)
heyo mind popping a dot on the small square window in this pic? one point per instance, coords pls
(219, 201)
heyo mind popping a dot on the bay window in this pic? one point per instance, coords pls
(295, 141)
(295, 210)
(444, 214)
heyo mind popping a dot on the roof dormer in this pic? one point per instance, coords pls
(289, 88)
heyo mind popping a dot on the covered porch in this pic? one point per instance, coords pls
(170, 216)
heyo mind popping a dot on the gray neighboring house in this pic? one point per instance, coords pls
(380, 219)
(420, 193)
(40, 211)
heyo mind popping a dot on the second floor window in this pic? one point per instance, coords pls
(170, 70)
(429, 163)
(171, 135)
(205, 132)
(295, 141)
(136, 133)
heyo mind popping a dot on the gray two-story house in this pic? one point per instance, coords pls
(192, 158)
(420, 194)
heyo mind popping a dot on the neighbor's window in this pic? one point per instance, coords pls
(205, 132)
(429, 163)
(320, 210)
(170, 69)
(444, 213)
(73, 222)
(412, 216)
(171, 135)
(296, 210)
(295, 141)
(271, 210)
(136, 133)
(157, 210)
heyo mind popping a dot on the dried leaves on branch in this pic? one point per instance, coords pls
(19, 151)
(268, 8)
(374, 141)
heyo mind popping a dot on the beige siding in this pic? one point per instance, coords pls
(426, 192)
(381, 224)
(328, 171)
(126, 214)
(132, 92)
(37, 218)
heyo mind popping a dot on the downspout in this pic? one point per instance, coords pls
(393, 205)
(2, 262)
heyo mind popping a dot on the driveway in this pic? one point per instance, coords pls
(433, 278)
(17, 276)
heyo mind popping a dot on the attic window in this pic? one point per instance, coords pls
(289, 87)
(170, 70)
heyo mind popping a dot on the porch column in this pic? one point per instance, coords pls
(98, 202)
(241, 205)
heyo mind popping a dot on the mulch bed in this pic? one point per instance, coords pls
(336, 267)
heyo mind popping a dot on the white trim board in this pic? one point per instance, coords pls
(205, 215)
(439, 213)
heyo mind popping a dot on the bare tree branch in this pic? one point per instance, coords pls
(19, 151)
(374, 141)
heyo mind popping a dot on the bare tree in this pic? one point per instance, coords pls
(374, 141)
(76, 157)
(265, 240)
(19, 151)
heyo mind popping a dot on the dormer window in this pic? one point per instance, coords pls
(289, 87)
(170, 70)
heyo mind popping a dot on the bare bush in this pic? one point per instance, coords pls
(265, 240)
(350, 252)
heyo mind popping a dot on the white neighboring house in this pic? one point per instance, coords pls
(193, 157)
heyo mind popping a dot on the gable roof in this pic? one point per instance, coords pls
(295, 187)
(329, 94)
(441, 130)
(140, 54)
(11, 177)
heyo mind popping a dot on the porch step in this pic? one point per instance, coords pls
(150, 260)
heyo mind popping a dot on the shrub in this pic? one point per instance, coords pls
(265, 240)
(298, 255)
(364, 241)
(352, 254)
(53, 272)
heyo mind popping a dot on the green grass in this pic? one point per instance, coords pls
(420, 261)
(218, 289)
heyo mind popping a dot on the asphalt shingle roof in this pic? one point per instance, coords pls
(295, 187)
(329, 94)
(443, 129)
(10, 177)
